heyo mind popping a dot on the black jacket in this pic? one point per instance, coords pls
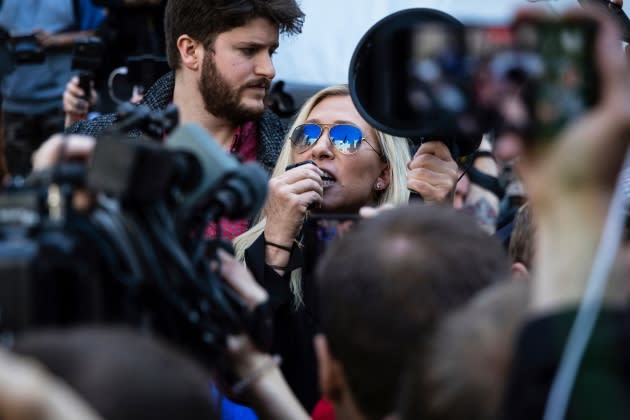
(602, 385)
(271, 129)
(294, 329)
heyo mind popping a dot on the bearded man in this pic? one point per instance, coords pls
(220, 54)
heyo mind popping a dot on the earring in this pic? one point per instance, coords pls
(379, 185)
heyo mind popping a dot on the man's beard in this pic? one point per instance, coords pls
(222, 100)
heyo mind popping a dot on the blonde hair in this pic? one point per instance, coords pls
(395, 151)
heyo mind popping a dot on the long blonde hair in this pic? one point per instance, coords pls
(394, 149)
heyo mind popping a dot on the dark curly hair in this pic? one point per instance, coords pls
(203, 20)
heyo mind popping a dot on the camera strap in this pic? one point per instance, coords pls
(485, 181)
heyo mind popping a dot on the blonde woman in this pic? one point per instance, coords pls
(353, 165)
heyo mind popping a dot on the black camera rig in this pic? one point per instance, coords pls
(138, 255)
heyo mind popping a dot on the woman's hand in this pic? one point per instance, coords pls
(290, 196)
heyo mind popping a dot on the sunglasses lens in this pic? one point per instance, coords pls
(346, 138)
(304, 136)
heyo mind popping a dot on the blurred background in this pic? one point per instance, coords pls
(321, 54)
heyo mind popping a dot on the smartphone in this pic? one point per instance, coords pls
(567, 84)
(320, 231)
(87, 57)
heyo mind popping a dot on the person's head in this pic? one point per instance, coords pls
(521, 248)
(367, 177)
(508, 146)
(463, 373)
(385, 284)
(123, 375)
(228, 44)
(364, 166)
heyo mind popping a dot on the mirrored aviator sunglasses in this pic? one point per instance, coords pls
(346, 138)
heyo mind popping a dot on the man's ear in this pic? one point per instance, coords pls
(331, 378)
(190, 51)
(519, 271)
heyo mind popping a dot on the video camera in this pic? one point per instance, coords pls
(138, 255)
(420, 73)
(18, 50)
(144, 70)
(139, 73)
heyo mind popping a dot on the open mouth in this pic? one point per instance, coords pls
(327, 179)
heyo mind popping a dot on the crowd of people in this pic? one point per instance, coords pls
(453, 296)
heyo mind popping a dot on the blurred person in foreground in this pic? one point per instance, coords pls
(29, 392)
(122, 374)
(383, 299)
(570, 184)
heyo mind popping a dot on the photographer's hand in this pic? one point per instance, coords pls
(290, 195)
(75, 107)
(59, 40)
(241, 280)
(66, 147)
(73, 146)
(433, 173)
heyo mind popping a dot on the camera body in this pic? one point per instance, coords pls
(87, 54)
(144, 70)
(26, 50)
(87, 58)
(18, 50)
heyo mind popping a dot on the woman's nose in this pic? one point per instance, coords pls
(323, 148)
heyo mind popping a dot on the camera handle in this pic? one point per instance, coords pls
(85, 83)
(121, 71)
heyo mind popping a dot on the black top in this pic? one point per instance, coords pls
(294, 329)
(602, 386)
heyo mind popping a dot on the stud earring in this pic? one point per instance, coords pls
(379, 185)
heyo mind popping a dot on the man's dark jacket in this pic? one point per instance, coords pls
(271, 129)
